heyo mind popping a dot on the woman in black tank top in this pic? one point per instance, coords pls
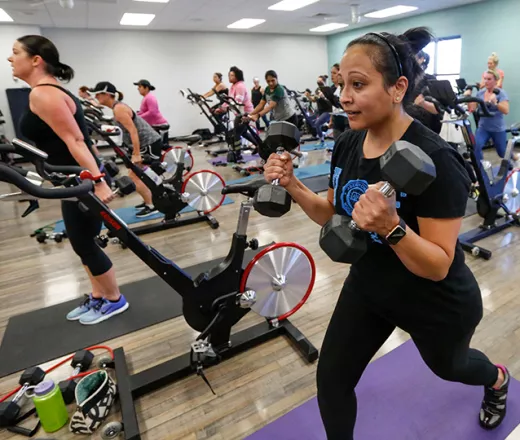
(218, 88)
(257, 92)
(54, 121)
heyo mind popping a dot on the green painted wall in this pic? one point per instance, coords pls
(485, 27)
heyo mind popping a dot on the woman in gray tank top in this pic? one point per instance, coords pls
(137, 134)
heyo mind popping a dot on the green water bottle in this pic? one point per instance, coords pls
(50, 406)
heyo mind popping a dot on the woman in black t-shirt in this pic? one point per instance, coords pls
(54, 121)
(419, 283)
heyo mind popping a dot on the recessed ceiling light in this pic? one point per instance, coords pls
(389, 12)
(291, 5)
(152, 1)
(329, 27)
(4, 16)
(246, 23)
(129, 19)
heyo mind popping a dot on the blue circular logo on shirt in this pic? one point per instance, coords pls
(351, 193)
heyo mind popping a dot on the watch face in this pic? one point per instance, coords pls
(397, 234)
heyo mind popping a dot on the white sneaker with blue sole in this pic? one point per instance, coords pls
(85, 306)
(104, 310)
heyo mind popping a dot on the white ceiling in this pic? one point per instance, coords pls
(206, 15)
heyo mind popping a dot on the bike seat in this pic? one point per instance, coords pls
(161, 127)
(190, 139)
(248, 188)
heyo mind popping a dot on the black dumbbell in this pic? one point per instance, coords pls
(10, 410)
(81, 362)
(273, 200)
(111, 168)
(404, 166)
(124, 186)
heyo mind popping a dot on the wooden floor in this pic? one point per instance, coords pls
(260, 385)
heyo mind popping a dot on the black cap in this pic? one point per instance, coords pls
(144, 83)
(104, 87)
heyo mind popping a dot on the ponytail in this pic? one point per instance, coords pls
(119, 95)
(64, 72)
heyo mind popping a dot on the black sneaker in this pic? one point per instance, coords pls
(146, 212)
(140, 206)
(493, 409)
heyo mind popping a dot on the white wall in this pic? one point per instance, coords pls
(177, 60)
(8, 35)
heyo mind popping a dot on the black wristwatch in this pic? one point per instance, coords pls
(397, 234)
(101, 179)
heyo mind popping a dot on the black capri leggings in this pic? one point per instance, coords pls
(354, 335)
(82, 228)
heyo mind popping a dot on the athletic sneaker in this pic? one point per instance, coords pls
(140, 206)
(85, 306)
(104, 310)
(493, 409)
(147, 211)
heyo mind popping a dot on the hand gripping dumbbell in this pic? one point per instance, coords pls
(273, 200)
(405, 167)
(81, 362)
(10, 410)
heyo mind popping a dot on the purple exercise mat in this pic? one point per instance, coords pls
(399, 398)
(245, 158)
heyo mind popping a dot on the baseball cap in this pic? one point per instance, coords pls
(144, 83)
(104, 87)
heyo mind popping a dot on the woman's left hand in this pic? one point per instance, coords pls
(374, 212)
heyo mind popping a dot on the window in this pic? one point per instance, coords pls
(445, 56)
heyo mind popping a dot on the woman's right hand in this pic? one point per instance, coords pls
(279, 167)
(104, 192)
(137, 159)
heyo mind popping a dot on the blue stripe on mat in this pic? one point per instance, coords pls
(128, 215)
(301, 173)
(316, 146)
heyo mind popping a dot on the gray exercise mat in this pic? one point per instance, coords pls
(42, 335)
(471, 208)
(317, 184)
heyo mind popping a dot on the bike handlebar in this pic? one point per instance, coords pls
(7, 174)
(481, 104)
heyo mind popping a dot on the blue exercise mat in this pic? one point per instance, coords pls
(316, 146)
(128, 215)
(301, 173)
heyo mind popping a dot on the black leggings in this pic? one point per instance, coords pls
(355, 334)
(293, 120)
(82, 228)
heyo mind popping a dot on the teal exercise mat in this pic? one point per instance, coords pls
(317, 146)
(301, 173)
(42, 335)
(128, 215)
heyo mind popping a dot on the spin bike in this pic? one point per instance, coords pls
(219, 128)
(274, 284)
(171, 191)
(498, 201)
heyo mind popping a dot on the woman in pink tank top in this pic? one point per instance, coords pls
(149, 109)
(239, 91)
